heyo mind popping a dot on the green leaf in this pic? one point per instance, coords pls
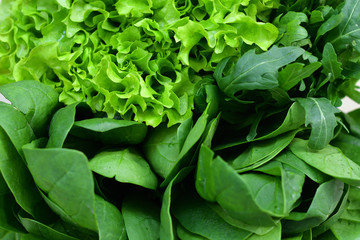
(290, 28)
(260, 152)
(125, 165)
(347, 33)
(332, 68)
(19, 179)
(110, 221)
(141, 217)
(41, 230)
(293, 73)
(329, 160)
(185, 234)
(15, 126)
(320, 114)
(349, 145)
(294, 120)
(326, 199)
(188, 148)
(192, 211)
(255, 71)
(110, 131)
(166, 222)
(287, 157)
(328, 25)
(8, 205)
(66, 179)
(35, 100)
(162, 148)
(60, 126)
(217, 181)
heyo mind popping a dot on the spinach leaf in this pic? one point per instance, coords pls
(349, 145)
(8, 205)
(109, 220)
(141, 217)
(320, 114)
(287, 157)
(19, 179)
(254, 71)
(348, 31)
(35, 100)
(166, 222)
(162, 148)
(110, 131)
(260, 152)
(185, 234)
(60, 126)
(66, 179)
(326, 199)
(293, 120)
(41, 230)
(217, 181)
(191, 211)
(329, 160)
(125, 165)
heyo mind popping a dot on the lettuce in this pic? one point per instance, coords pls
(136, 59)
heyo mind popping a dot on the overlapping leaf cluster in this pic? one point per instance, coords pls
(265, 154)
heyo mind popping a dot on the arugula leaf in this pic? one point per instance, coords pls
(255, 71)
(332, 68)
(348, 31)
(320, 114)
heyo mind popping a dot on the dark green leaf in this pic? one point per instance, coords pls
(217, 181)
(326, 199)
(194, 214)
(254, 71)
(142, 218)
(110, 131)
(331, 67)
(293, 73)
(320, 114)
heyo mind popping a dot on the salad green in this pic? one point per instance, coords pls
(179, 119)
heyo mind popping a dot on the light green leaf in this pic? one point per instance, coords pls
(60, 126)
(125, 165)
(65, 177)
(329, 160)
(110, 221)
(35, 100)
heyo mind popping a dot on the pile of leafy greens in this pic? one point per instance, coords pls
(179, 119)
